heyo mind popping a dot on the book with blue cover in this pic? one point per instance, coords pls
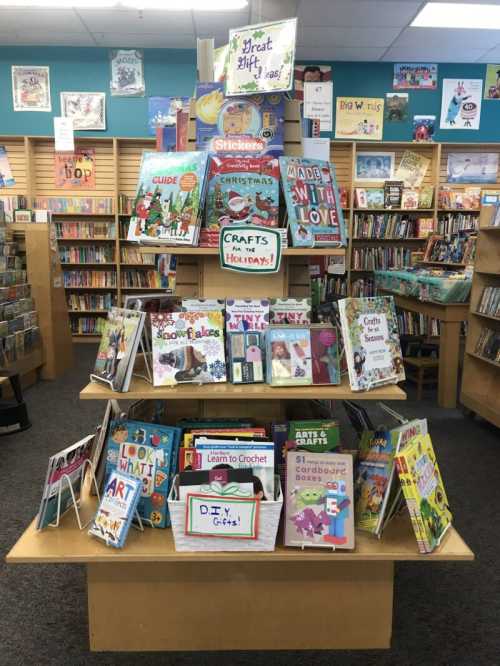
(149, 452)
(162, 112)
(313, 202)
(288, 355)
(116, 509)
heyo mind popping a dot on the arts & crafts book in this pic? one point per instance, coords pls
(313, 435)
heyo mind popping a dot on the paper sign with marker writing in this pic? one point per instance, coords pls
(250, 249)
(63, 134)
(227, 517)
(318, 103)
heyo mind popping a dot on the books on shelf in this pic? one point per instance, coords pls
(10, 203)
(148, 279)
(362, 287)
(67, 230)
(380, 258)
(393, 190)
(458, 249)
(133, 255)
(288, 354)
(488, 345)
(90, 279)
(246, 314)
(490, 302)
(76, 205)
(86, 254)
(246, 322)
(90, 301)
(453, 223)
(463, 199)
(87, 325)
(397, 226)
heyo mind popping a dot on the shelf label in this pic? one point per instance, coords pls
(228, 517)
(250, 249)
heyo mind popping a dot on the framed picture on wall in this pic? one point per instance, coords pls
(374, 167)
(86, 109)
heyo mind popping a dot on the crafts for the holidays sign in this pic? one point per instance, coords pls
(359, 118)
(86, 109)
(261, 58)
(250, 249)
(492, 82)
(127, 73)
(461, 104)
(318, 104)
(31, 88)
(75, 170)
(229, 517)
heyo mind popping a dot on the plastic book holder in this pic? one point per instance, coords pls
(304, 545)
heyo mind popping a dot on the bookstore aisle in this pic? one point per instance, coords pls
(443, 613)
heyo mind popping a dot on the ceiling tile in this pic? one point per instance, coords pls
(220, 22)
(337, 53)
(49, 38)
(491, 56)
(346, 37)
(145, 40)
(31, 19)
(272, 10)
(150, 22)
(435, 54)
(357, 13)
(447, 38)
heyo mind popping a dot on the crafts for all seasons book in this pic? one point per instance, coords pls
(169, 199)
(240, 126)
(288, 354)
(116, 509)
(119, 341)
(371, 341)
(242, 190)
(314, 436)
(296, 311)
(188, 347)
(325, 354)
(247, 314)
(312, 202)
(319, 500)
(148, 452)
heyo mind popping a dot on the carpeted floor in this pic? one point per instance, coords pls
(443, 613)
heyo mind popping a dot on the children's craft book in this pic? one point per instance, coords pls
(295, 311)
(188, 347)
(234, 432)
(240, 126)
(170, 197)
(242, 190)
(424, 492)
(288, 354)
(325, 354)
(312, 202)
(247, 314)
(313, 436)
(148, 452)
(235, 482)
(6, 178)
(371, 341)
(246, 357)
(116, 510)
(64, 468)
(118, 347)
(319, 500)
(202, 304)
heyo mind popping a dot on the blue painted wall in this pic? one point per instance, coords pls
(173, 71)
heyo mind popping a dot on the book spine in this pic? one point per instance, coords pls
(416, 519)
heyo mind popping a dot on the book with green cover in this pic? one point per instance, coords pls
(317, 436)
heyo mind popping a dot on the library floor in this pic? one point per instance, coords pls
(443, 613)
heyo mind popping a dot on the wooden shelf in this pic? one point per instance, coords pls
(140, 389)
(490, 228)
(288, 251)
(89, 288)
(458, 210)
(88, 311)
(87, 263)
(84, 215)
(29, 362)
(385, 240)
(485, 360)
(483, 272)
(70, 240)
(486, 316)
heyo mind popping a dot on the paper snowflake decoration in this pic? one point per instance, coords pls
(217, 369)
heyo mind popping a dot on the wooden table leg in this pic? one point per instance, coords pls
(449, 350)
(240, 605)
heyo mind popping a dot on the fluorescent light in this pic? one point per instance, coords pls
(60, 4)
(458, 15)
(186, 5)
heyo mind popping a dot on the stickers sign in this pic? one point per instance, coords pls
(250, 249)
(227, 517)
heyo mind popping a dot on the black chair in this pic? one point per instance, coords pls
(13, 412)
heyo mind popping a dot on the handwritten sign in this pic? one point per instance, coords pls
(359, 118)
(250, 249)
(318, 103)
(75, 170)
(64, 140)
(227, 517)
(261, 58)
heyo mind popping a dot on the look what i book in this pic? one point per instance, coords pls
(188, 347)
(118, 347)
(319, 500)
(169, 199)
(371, 341)
(313, 202)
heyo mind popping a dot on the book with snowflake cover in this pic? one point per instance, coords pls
(188, 347)
(313, 202)
(371, 341)
(242, 190)
(169, 199)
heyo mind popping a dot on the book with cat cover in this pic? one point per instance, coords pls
(246, 357)
(313, 435)
(371, 341)
(116, 509)
(319, 500)
(188, 347)
(247, 314)
(295, 311)
(148, 452)
(249, 126)
(242, 190)
(170, 198)
(288, 354)
(325, 354)
(313, 202)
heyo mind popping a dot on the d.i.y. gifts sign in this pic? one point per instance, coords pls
(261, 58)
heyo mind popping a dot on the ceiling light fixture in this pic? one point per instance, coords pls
(59, 4)
(165, 5)
(458, 15)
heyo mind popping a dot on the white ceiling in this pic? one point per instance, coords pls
(365, 30)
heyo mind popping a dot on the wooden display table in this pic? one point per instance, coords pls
(148, 597)
(450, 316)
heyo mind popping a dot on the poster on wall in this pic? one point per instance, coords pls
(461, 104)
(31, 88)
(396, 107)
(472, 168)
(359, 118)
(423, 128)
(6, 177)
(75, 170)
(309, 74)
(261, 58)
(415, 76)
(492, 82)
(127, 73)
(86, 109)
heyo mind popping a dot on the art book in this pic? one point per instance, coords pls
(312, 202)
(242, 190)
(288, 354)
(313, 436)
(412, 168)
(241, 126)
(295, 311)
(170, 197)
(6, 178)
(247, 314)
(118, 347)
(371, 340)
(188, 347)
(116, 509)
(149, 453)
(325, 354)
(319, 500)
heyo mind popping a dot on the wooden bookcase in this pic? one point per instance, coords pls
(481, 377)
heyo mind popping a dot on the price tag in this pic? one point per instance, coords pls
(250, 249)
(228, 517)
